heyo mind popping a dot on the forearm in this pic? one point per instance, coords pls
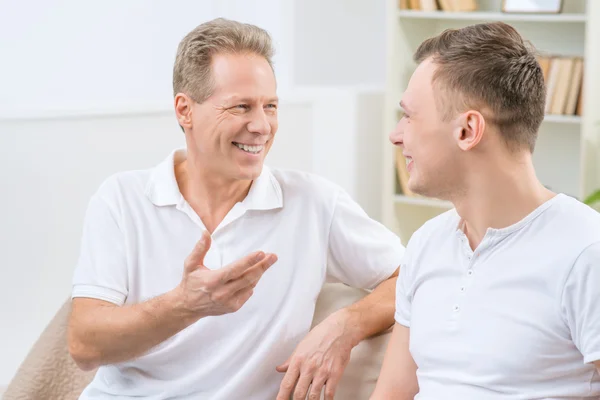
(110, 334)
(374, 313)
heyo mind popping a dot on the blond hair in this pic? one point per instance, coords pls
(192, 71)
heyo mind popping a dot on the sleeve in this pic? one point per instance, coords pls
(361, 252)
(581, 303)
(101, 270)
(403, 297)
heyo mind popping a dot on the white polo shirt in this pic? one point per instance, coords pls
(139, 229)
(519, 318)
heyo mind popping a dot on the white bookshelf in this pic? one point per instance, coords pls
(568, 145)
(491, 16)
(562, 119)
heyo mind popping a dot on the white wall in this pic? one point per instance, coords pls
(69, 56)
(339, 42)
(73, 56)
(48, 170)
(86, 92)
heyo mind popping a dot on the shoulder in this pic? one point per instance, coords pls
(300, 180)
(429, 243)
(122, 187)
(590, 255)
(577, 223)
(306, 187)
(436, 229)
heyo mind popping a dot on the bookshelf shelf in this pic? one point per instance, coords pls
(563, 119)
(492, 16)
(422, 201)
(566, 156)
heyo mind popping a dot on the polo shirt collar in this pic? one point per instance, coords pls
(162, 188)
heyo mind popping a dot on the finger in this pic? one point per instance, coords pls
(244, 295)
(284, 367)
(303, 385)
(240, 298)
(331, 384)
(196, 257)
(289, 381)
(238, 268)
(317, 387)
(251, 277)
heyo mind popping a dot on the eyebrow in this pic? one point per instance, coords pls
(235, 99)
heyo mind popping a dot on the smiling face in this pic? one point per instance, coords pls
(426, 138)
(231, 132)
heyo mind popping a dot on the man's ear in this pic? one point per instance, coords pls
(183, 110)
(469, 129)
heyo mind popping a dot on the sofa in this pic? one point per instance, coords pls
(48, 372)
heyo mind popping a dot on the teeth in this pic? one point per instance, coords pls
(250, 149)
(408, 160)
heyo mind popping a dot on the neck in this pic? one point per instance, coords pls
(210, 196)
(499, 197)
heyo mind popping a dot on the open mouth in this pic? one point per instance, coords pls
(409, 161)
(249, 148)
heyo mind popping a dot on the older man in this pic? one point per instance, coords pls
(198, 278)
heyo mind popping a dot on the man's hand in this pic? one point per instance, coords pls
(319, 360)
(102, 333)
(205, 292)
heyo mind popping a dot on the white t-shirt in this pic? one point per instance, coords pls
(519, 318)
(139, 229)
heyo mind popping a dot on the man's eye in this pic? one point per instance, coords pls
(271, 105)
(243, 106)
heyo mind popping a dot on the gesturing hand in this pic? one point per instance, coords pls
(205, 292)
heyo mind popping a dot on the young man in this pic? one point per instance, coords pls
(498, 298)
(198, 278)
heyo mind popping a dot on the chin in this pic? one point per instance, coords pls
(249, 173)
(419, 189)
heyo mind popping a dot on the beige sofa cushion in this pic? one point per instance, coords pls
(48, 372)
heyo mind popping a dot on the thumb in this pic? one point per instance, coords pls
(196, 258)
(284, 367)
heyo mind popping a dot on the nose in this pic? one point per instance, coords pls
(397, 134)
(260, 123)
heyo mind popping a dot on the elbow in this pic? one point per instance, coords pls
(405, 395)
(406, 391)
(84, 357)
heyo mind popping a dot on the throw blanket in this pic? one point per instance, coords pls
(48, 372)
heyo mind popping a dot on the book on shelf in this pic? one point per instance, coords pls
(438, 5)
(564, 84)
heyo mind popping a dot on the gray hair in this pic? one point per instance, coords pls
(192, 70)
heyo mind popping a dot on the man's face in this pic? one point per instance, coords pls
(233, 130)
(426, 139)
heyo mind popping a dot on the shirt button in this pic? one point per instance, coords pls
(462, 289)
(470, 272)
(456, 308)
